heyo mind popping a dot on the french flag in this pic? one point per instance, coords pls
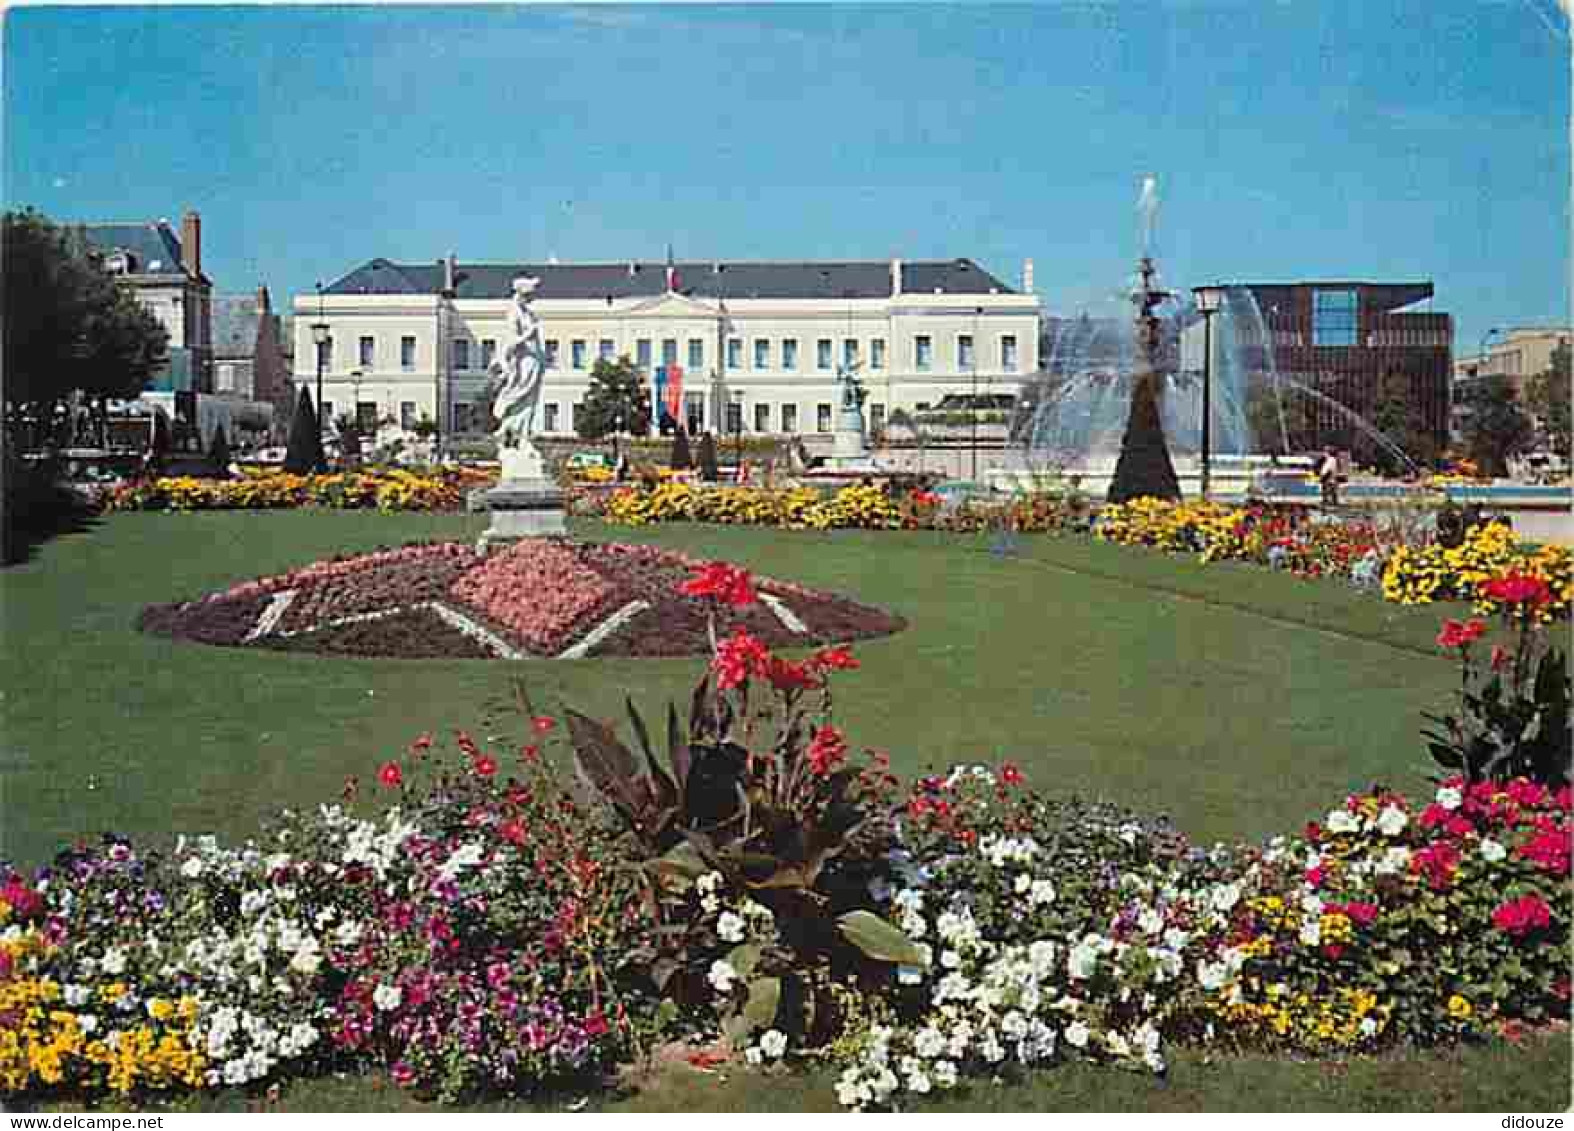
(672, 272)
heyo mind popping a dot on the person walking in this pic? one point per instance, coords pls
(1328, 475)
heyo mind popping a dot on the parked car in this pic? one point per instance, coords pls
(582, 460)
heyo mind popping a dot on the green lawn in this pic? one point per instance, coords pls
(1239, 701)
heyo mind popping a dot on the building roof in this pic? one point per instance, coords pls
(1385, 296)
(154, 247)
(858, 279)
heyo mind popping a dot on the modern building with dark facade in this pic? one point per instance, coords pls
(1341, 338)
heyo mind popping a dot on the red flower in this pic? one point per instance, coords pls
(727, 583)
(391, 775)
(1515, 588)
(1456, 635)
(837, 659)
(529, 753)
(827, 750)
(1010, 775)
(24, 901)
(596, 1024)
(543, 723)
(422, 744)
(788, 676)
(1518, 917)
(1333, 949)
(484, 766)
(1361, 914)
(1500, 657)
(1315, 876)
(514, 832)
(1438, 861)
(737, 658)
(1549, 850)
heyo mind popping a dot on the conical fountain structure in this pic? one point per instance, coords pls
(1144, 467)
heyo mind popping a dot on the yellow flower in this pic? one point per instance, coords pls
(1459, 1008)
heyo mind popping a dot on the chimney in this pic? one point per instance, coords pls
(191, 242)
(896, 277)
(264, 302)
(1027, 276)
(449, 266)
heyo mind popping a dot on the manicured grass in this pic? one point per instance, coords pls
(1239, 701)
(1206, 692)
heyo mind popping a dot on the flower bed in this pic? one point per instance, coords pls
(388, 489)
(501, 930)
(539, 597)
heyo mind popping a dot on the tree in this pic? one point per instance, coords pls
(708, 470)
(1282, 422)
(617, 400)
(1495, 428)
(1397, 416)
(1548, 398)
(69, 327)
(303, 454)
(681, 459)
(1144, 467)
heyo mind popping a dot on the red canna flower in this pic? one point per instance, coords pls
(1010, 775)
(727, 583)
(422, 744)
(785, 675)
(1456, 635)
(484, 766)
(838, 659)
(737, 658)
(1500, 657)
(827, 750)
(391, 775)
(1515, 588)
(543, 723)
(529, 753)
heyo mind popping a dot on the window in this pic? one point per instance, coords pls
(822, 418)
(461, 353)
(407, 352)
(734, 353)
(464, 411)
(368, 347)
(734, 418)
(762, 353)
(694, 412)
(1334, 318)
(696, 354)
(1008, 353)
(876, 417)
(576, 353)
(762, 418)
(552, 359)
(965, 358)
(606, 349)
(325, 355)
(327, 411)
(642, 354)
(550, 424)
(366, 415)
(849, 353)
(407, 415)
(669, 351)
(789, 353)
(789, 418)
(923, 351)
(877, 353)
(488, 352)
(822, 353)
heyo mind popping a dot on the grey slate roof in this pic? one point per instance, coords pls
(154, 246)
(858, 279)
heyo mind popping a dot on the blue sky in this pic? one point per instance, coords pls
(1368, 139)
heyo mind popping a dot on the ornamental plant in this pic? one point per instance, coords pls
(758, 833)
(1513, 717)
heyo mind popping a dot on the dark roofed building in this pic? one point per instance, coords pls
(248, 354)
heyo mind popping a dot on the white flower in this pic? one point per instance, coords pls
(753, 1055)
(1082, 961)
(730, 927)
(1224, 897)
(1368, 1026)
(950, 959)
(773, 1043)
(1042, 892)
(1392, 820)
(945, 1074)
(1311, 904)
(192, 867)
(1212, 975)
(1342, 821)
(1176, 939)
(1150, 921)
(1023, 883)
(1014, 1025)
(1311, 931)
(1392, 862)
(387, 998)
(114, 961)
(1492, 851)
(722, 976)
(1449, 797)
(1117, 1044)
(1077, 1035)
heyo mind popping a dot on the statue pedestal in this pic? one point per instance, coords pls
(848, 449)
(525, 504)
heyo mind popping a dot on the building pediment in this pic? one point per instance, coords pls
(672, 305)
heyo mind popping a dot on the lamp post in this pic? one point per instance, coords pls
(1208, 302)
(321, 336)
(737, 431)
(973, 403)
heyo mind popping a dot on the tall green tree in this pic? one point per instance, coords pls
(1400, 419)
(1496, 427)
(618, 399)
(68, 326)
(1548, 398)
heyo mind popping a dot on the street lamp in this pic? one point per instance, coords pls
(321, 336)
(977, 312)
(617, 427)
(737, 431)
(1208, 302)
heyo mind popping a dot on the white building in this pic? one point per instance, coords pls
(759, 344)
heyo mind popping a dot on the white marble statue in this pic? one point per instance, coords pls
(521, 366)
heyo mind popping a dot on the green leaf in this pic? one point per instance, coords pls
(744, 959)
(681, 860)
(765, 994)
(879, 939)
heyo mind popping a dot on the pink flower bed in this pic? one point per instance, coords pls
(540, 589)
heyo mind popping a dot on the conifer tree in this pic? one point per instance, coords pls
(303, 454)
